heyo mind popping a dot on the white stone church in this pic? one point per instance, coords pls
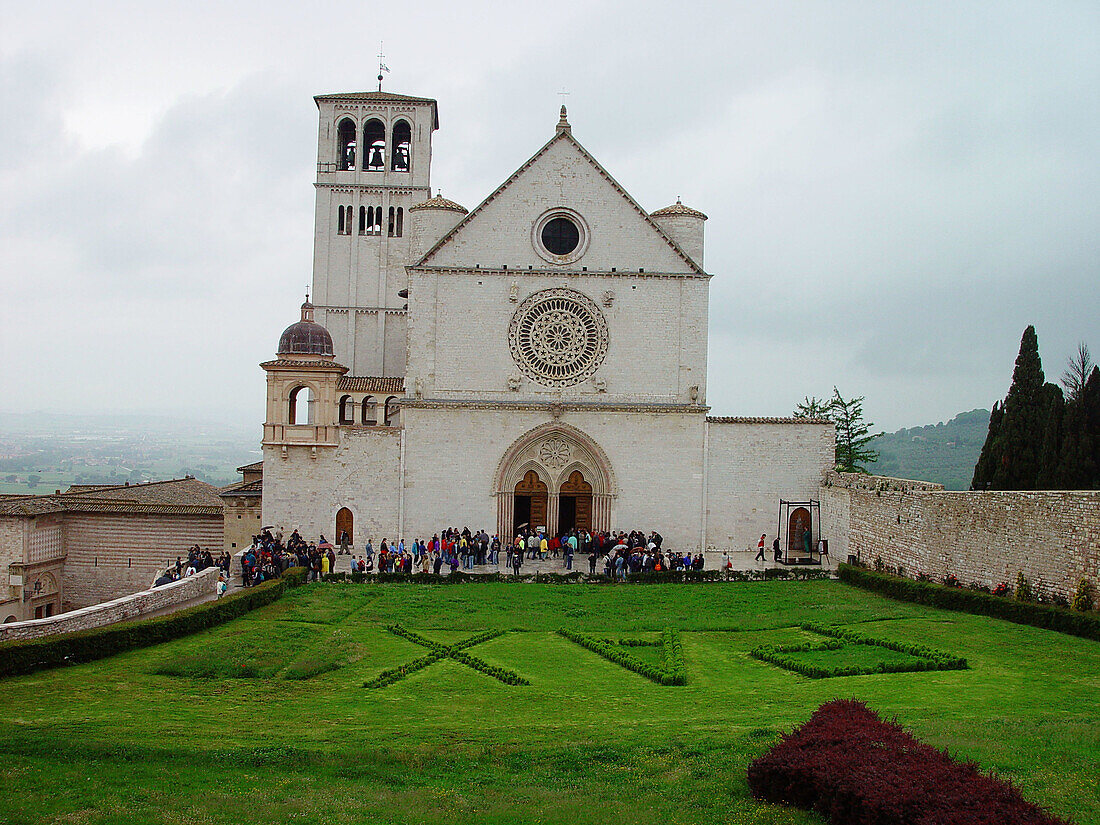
(540, 360)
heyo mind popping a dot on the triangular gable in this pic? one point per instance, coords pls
(617, 240)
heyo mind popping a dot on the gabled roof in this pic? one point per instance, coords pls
(382, 97)
(181, 496)
(562, 135)
(256, 466)
(370, 383)
(243, 488)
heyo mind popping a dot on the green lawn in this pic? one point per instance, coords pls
(271, 721)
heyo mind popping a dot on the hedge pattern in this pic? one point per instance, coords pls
(1085, 625)
(439, 651)
(577, 577)
(852, 768)
(925, 658)
(20, 657)
(674, 671)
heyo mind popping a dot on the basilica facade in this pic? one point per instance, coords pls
(538, 361)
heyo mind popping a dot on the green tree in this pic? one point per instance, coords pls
(1016, 451)
(1049, 476)
(983, 470)
(1077, 372)
(853, 434)
(1080, 465)
(813, 407)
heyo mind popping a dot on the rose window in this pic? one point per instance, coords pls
(558, 337)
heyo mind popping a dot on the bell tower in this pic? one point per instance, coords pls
(374, 154)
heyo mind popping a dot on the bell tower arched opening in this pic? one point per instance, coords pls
(345, 145)
(374, 146)
(402, 143)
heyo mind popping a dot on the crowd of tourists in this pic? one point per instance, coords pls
(197, 560)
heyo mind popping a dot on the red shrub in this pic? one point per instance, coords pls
(854, 769)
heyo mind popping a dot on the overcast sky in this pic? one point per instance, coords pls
(895, 190)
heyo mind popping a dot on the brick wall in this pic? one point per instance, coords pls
(110, 555)
(128, 607)
(1053, 536)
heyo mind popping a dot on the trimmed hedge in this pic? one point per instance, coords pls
(1085, 625)
(927, 658)
(852, 768)
(441, 651)
(673, 673)
(20, 657)
(579, 577)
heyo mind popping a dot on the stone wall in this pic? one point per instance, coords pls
(751, 465)
(243, 519)
(1052, 536)
(112, 554)
(131, 606)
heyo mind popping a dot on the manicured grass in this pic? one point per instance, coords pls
(587, 741)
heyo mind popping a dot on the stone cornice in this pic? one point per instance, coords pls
(555, 408)
(302, 366)
(566, 273)
(352, 188)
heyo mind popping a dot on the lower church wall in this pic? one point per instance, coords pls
(751, 466)
(304, 493)
(1052, 536)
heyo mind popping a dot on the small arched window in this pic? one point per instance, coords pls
(400, 221)
(390, 411)
(369, 416)
(391, 224)
(300, 406)
(362, 220)
(347, 410)
(377, 225)
(340, 220)
(345, 144)
(402, 141)
(374, 146)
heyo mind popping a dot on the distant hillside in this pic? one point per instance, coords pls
(945, 453)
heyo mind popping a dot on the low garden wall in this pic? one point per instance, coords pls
(132, 606)
(986, 538)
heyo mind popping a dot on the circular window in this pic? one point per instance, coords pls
(560, 236)
(558, 337)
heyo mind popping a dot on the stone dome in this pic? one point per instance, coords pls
(305, 337)
(440, 202)
(678, 209)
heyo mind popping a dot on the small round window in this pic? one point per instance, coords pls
(560, 236)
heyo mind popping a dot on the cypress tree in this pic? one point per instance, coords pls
(1050, 451)
(1022, 426)
(983, 470)
(1080, 464)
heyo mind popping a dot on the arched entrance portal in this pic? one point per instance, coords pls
(573, 476)
(797, 525)
(530, 502)
(575, 503)
(345, 521)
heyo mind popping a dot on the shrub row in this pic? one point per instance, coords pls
(943, 660)
(673, 673)
(634, 642)
(442, 651)
(925, 658)
(852, 768)
(674, 658)
(1049, 617)
(19, 657)
(577, 577)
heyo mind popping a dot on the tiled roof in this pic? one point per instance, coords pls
(678, 209)
(713, 419)
(440, 202)
(187, 496)
(255, 466)
(290, 364)
(383, 97)
(244, 488)
(370, 383)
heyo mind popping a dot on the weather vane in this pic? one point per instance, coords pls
(382, 67)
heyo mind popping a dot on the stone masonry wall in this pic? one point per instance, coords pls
(110, 555)
(1053, 536)
(128, 607)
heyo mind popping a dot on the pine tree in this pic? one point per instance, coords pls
(1022, 426)
(1050, 450)
(852, 434)
(1080, 464)
(814, 407)
(983, 470)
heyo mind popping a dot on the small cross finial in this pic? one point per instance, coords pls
(307, 294)
(564, 94)
(382, 67)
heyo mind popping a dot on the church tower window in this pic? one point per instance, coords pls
(300, 406)
(400, 220)
(374, 146)
(345, 145)
(402, 140)
(362, 220)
